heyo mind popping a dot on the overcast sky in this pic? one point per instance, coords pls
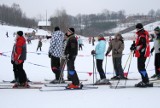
(33, 8)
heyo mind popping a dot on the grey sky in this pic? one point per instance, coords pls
(33, 8)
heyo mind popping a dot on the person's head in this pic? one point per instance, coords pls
(19, 33)
(56, 28)
(70, 31)
(118, 36)
(157, 30)
(139, 26)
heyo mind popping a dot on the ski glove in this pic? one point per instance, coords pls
(49, 55)
(93, 52)
(133, 47)
(107, 53)
(12, 61)
(152, 50)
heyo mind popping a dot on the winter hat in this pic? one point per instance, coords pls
(56, 28)
(71, 30)
(20, 33)
(157, 29)
(139, 26)
(101, 35)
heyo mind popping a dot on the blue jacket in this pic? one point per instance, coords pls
(100, 49)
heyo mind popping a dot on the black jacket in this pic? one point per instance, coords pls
(71, 46)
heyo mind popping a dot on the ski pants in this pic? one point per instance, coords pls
(55, 66)
(99, 64)
(71, 70)
(19, 73)
(157, 63)
(118, 66)
(141, 68)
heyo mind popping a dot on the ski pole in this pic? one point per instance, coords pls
(128, 70)
(148, 61)
(93, 68)
(105, 66)
(62, 69)
(125, 67)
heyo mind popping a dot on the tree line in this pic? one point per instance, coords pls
(14, 16)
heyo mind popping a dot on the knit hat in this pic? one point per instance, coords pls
(71, 30)
(101, 35)
(56, 28)
(139, 26)
(157, 29)
(20, 33)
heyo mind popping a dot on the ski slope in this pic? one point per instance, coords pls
(37, 67)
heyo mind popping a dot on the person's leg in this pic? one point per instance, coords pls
(100, 69)
(142, 70)
(115, 65)
(72, 73)
(55, 65)
(22, 74)
(119, 67)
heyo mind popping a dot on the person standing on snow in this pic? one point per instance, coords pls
(80, 43)
(117, 46)
(39, 44)
(55, 53)
(71, 52)
(99, 55)
(156, 47)
(141, 50)
(17, 59)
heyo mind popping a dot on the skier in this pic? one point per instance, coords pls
(7, 34)
(55, 52)
(39, 44)
(117, 47)
(93, 40)
(141, 50)
(80, 43)
(17, 59)
(156, 47)
(99, 55)
(71, 52)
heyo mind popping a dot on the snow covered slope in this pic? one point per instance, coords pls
(37, 67)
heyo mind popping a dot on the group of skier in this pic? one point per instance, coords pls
(140, 48)
(64, 49)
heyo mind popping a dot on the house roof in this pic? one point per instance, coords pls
(44, 23)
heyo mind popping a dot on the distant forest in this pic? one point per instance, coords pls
(84, 24)
(14, 16)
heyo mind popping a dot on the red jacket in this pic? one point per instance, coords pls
(19, 50)
(142, 44)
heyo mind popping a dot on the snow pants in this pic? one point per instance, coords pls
(157, 63)
(19, 73)
(55, 66)
(141, 68)
(71, 70)
(99, 64)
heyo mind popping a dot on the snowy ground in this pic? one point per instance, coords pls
(99, 98)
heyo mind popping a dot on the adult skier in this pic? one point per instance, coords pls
(71, 52)
(17, 59)
(156, 48)
(55, 53)
(141, 50)
(99, 55)
(116, 45)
